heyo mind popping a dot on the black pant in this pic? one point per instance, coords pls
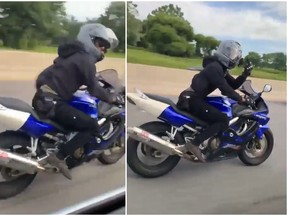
(69, 117)
(195, 105)
(75, 120)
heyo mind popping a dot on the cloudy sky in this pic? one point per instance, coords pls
(258, 26)
(86, 9)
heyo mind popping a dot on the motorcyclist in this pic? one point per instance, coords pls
(74, 67)
(215, 75)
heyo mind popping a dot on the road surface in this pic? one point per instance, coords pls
(50, 193)
(226, 187)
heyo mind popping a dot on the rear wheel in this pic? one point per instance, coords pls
(147, 161)
(13, 182)
(257, 151)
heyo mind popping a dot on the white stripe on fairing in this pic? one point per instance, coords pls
(11, 119)
(151, 106)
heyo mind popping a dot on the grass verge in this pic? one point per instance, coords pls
(140, 56)
(53, 50)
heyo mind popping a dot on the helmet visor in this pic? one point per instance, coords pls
(102, 43)
(113, 40)
(235, 55)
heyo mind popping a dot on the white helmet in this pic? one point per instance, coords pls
(229, 53)
(94, 31)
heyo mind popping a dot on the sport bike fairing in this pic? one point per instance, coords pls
(17, 115)
(170, 114)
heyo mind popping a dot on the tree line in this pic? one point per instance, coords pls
(166, 31)
(25, 25)
(269, 60)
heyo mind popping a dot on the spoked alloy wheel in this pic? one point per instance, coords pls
(147, 161)
(257, 151)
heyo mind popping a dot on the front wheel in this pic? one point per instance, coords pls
(147, 161)
(257, 151)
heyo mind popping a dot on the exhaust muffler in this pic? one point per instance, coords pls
(18, 162)
(154, 141)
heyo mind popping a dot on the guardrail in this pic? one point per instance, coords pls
(103, 204)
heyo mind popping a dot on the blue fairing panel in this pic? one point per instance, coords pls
(171, 116)
(221, 103)
(262, 118)
(261, 131)
(35, 128)
(86, 104)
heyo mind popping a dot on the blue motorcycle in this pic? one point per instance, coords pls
(26, 138)
(155, 148)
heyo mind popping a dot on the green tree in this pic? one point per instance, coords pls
(200, 40)
(210, 43)
(266, 61)
(114, 18)
(166, 33)
(205, 44)
(170, 9)
(70, 30)
(134, 25)
(132, 8)
(280, 61)
(182, 27)
(161, 36)
(254, 57)
(24, 24)
(274, 60)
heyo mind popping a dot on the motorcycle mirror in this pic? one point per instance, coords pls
(267, 88)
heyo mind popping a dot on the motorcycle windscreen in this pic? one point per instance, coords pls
(246, 86)
(110, 76)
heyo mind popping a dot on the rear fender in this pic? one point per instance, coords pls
(11, 119)
(152, 107)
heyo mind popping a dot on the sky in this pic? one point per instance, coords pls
(257, 26)
(86, 9)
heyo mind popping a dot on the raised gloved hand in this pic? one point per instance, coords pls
(248, 67)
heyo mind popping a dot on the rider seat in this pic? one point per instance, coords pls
(173, 105)
(17, 104)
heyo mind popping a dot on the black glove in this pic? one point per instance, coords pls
(248, 101)
(248, 67)
(118, 100)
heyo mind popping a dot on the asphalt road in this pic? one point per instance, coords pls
(225, 187)
(50, 193)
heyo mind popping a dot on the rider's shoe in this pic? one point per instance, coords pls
(196, 151)
(60, 164)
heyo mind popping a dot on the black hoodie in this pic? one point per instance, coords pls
(72, 68)
(213, 76)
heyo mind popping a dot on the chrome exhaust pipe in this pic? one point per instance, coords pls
(18, 162)
(154, 141)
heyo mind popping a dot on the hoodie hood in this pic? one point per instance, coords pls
(67, 49)
(208, 60)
